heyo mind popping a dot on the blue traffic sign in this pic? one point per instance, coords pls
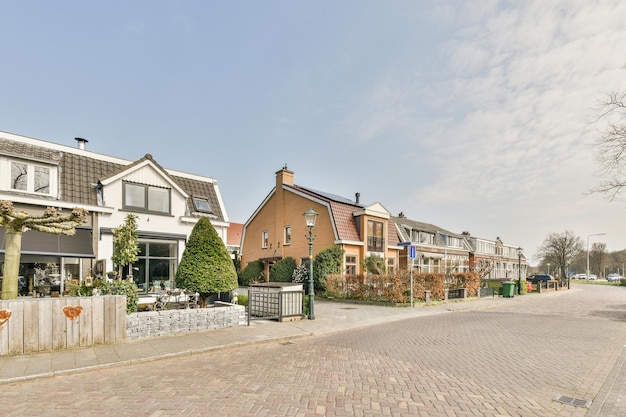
(413, 252)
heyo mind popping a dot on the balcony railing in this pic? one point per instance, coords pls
(376, 244)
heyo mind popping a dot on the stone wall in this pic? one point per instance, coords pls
(168, 322)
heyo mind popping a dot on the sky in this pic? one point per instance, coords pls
(475, 116)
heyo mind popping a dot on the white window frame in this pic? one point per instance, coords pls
(31, 171)
(287, 236)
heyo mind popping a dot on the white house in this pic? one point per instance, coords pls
(35, 174)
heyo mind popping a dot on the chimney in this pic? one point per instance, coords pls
(81, 143)
(358, 196)
(284, 176)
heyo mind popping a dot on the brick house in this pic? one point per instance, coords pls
(437, 250)
(277, 228)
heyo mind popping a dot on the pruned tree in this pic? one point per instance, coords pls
(205, 266)
(16, 223)
(125, 245)
(610, 148)
(560, 249)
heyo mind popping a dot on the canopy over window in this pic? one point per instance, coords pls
(39, 243)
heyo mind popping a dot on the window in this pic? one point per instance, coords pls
(30, 178)
(351, 265)
(141, 197)
(375, 239)
(427, 238)
(454, 242)
(391, 265)
(202, 205)
(265, 239)
(287, 235)
(19, 176)
(155, 269)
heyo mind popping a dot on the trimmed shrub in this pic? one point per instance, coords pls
(395, 288)
(252, 272)
(282, 271)
(206, 266)
(328, 261)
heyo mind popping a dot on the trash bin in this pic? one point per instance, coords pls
(508, 289)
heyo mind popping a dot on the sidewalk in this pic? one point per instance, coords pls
(330, 317)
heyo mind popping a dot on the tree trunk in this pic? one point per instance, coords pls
(11, 264)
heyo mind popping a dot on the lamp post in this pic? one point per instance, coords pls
(310, 216)
(519, 271)
(588, 236)
(548, 268)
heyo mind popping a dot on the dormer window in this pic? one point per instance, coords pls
(147, 198)
(30, 178)
(202, 205)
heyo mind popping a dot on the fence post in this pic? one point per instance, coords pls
(464, 293)
(446, 292)
(427, 297)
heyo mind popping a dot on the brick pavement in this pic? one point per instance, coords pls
(509, 358)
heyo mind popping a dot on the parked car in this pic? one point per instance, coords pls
(539, 277)
(613, 277)
(580, 276)
(593, 276)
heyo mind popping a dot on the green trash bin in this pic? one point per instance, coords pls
(508, 289)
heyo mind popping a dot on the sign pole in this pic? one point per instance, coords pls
(412, 253)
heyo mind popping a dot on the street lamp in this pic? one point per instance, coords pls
(548, 268)
(310, 216)
(519, 271)
(588, 236)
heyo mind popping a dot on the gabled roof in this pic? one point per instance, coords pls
(341, 210)
(402, 223)
(147, 160)
(80, 172)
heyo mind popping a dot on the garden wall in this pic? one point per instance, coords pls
(167, 322)
(42, 324)
(45, 324)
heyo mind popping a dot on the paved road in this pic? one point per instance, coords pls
(511, 359)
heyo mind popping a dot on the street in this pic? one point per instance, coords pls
(511, 359)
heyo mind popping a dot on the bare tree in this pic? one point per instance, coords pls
(560, 249)
(16, 223)
(597, 257)
(610, 148)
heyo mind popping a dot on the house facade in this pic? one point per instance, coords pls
(494, 259)
(437, 250)
(37, 174)
(277, 228)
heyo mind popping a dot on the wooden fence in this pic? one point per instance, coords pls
(43, 324)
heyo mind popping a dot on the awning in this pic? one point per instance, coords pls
(432, 255)
(39, 243)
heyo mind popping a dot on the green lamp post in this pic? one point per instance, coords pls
(310, 216)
